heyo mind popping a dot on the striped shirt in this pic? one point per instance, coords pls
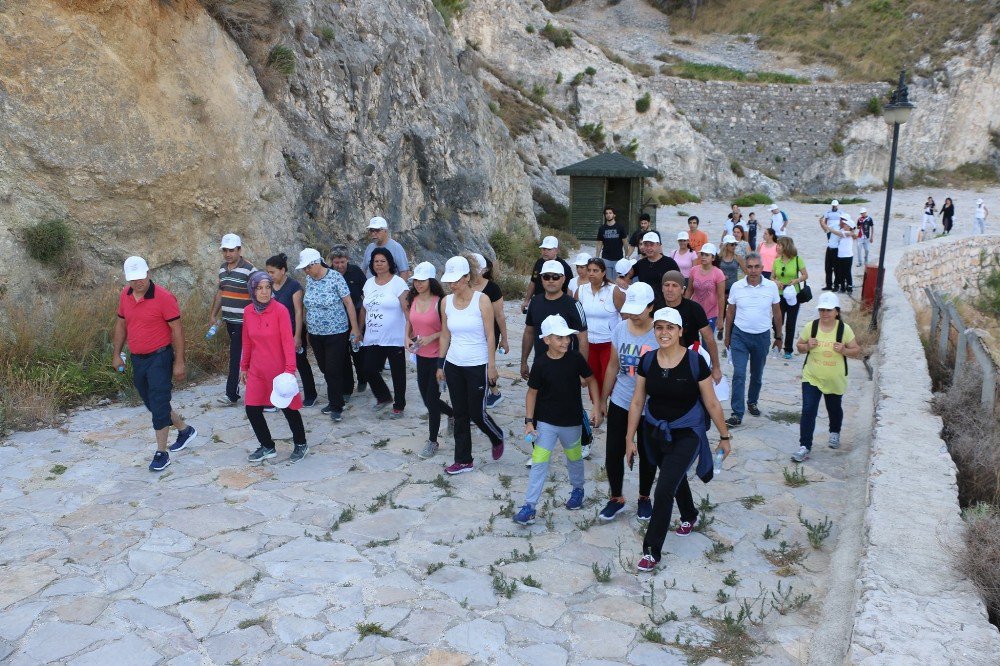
(233, 288)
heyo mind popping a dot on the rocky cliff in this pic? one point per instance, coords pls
(144, 125)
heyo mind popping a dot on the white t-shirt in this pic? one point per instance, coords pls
(385, 323)
(980, 213)
(778, 223)
(602, 317)
(573, 284)
(468, 334)
(845, 246)
(753, 304)
(833, 240)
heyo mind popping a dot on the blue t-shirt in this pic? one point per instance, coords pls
(325, 313)
(630, 349)
(285, 297)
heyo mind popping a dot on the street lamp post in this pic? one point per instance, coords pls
(896, 112)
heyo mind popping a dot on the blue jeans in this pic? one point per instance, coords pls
(711, 323)
(744, 346)
(153, 376)
(810, 407)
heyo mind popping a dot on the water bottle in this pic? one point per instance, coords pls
(355, 344)
(212, 330)
(717, 468)
(530, 438)
(500, 351)
(443, 386)
(121, 368)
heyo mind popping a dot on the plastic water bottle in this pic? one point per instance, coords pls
(355, 344)
(443, 386)
(717, 467)
(212, 330)
(500, 351)
(530, 438)
(121, 368)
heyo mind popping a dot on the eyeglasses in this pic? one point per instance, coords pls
(754, 267)
(551, 277)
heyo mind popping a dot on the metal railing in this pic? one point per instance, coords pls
(944, 320)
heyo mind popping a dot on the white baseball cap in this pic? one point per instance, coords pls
(828, 301)
(638, 296)
(308, 256)
(623, 266)
(556, 325)
(729, 238)
(284, 388)
(480, 259)
(378, 223)
(650, 237)
(709, 248)
(683, 236)
(774, 206)
(424, 271)
(549, 243)
(834, 203)
(790, 295)
(669, 315)
(864, 211)
(136, 268)
(455, 268)
(552, 266)
(581, 259)
(979, 202)
(230, 242)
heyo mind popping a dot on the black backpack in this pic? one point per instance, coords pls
(840, 338)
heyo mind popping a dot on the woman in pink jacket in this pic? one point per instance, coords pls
(267, 368)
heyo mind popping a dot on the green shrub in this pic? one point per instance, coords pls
(555, 214)
(757, 199)
(837, 147)
(449, 9)
(642, 104)
(577, 79)
(530, 29)
(327, 34)
(631, 151)
(47, 240)
(590, 71)
(561, 37)
(736, 168)
(874, 106)
(537, 94)
(282, 59)
(674, 197)
(593, 134)
(559, 78)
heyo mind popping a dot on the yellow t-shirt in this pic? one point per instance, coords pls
(824, 368)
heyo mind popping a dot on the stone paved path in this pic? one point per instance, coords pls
(218, 561)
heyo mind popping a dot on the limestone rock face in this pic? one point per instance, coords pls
(145, 127)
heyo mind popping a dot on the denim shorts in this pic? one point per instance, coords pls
(153, 377)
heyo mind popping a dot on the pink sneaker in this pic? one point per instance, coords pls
(458, 468)
(684, 529)
(647, 563)
(498, 451)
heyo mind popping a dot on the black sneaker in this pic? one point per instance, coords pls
(752, 408)
(326, 410)
(733, 421)
(184, 437)
(161, 460)
(361, 387)
(299, 453)
(261, 454)
(827, 289)
(336, 416)
(309, 402)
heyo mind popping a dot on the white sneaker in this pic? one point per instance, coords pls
(834, 440)
(800, 455)
(585, 451)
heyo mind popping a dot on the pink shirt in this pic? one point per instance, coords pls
(685, 261)
(704, 290)
(426, 323)
(268, 351)
(767, 255)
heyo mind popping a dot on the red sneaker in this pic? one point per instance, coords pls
(498, 451)
(685, 528)
(458, 468)
(647, 563)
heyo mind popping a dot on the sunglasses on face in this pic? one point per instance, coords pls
(551, 277)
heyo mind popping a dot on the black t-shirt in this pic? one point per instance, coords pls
(652, 273)
(569, 309)
(355, 278)
(536, 274)
(693, 316)
(613, 237)
(493, 293)
(285, 297)
(557, 381)
(672, 391)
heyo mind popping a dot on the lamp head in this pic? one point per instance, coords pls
(899, 108)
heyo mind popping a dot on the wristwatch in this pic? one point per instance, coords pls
(529, 421)
(726, 437)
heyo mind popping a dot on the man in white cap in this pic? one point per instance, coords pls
(552, 301)
(830, 219)
(230, 299)
(779, 221)
(612, 243)
(550, 252)
(866, 227)
(844, 233)
(653, 265)
(150, 321)
(979, 217)
(378, 231)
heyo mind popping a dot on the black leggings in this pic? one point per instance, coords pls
(676, 458)
(830, 265)
(614, 459)
(358, 359)
(305, 370)
(790, 313)
(843, 279)
(330, 351)
(375, 357)
(467, 386)
(263, 433)
(430, 391)
(235, 333)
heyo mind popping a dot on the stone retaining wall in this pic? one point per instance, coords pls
(955, 266)
(913, 605)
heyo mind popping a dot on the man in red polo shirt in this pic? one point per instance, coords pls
(149, 319)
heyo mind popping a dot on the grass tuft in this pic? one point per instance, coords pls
(282, 59)
(366, 629)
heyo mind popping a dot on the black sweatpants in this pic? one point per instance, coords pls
(305, 370)
(844, 281)
(235, 332)
(467, 386)
(357, 358)
(676, 458)
(330, 351)
(430, 391)
(263, 433)
(375, 357)
(790, 313)
(614, 459)
(830, 265)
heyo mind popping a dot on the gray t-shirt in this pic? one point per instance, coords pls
(395, 249)
(630, 349)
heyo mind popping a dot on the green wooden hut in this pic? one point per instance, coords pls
(608, 179)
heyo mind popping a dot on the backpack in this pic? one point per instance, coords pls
(840, 338)
(647, 362)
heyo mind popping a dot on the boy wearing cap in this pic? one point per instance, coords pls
(550, 252)
(150, 320)
(866, 226)
(378, 231)
(230, 300)
(653, 265)
(552, 413)
(979, 217)
(611, 245)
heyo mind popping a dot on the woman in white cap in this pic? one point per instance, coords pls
(680, 389)
(482, 280)
(596, 296)
(423, 331)
(827, 342)
(623, 279)
(467, 360)
(384, 313)
(707, 284)
(331, 323)
(684, 255)
(269, 353)
(789, 274)
(580, 262)
(631, 338)
(979, 216)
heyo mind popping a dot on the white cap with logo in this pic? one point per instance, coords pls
(136, 268)
(638, 296)
(581, 259)
(556, 325)
(729, 239)
(378, 223)
(669, 315)
(424, 271)
(828, 301)
(774, 206)
(284, 388)
(455, 268)
(307, 257)
(230, 242)
(650, 237)
(549, 243)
